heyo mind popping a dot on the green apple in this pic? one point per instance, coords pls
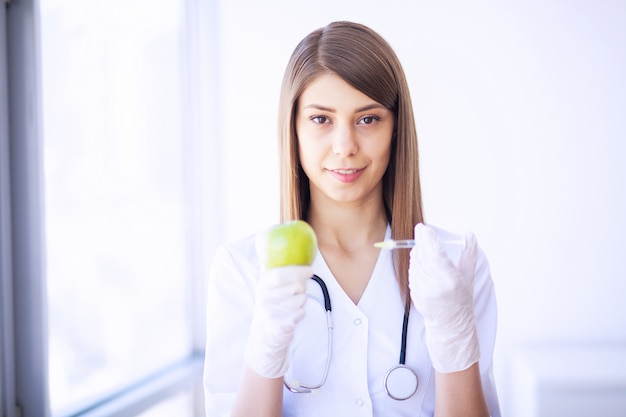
(290, 243)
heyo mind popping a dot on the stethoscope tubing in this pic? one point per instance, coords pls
(304, 388)
(411, 383)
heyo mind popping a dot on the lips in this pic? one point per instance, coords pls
(347, 175)
(345, 171)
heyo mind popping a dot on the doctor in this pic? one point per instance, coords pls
(349, 166)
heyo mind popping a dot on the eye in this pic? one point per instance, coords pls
(320, 120)
(368, 120)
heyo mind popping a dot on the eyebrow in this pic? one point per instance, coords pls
(360, 109)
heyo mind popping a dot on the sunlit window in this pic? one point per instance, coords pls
(114, 194)
(178, 405)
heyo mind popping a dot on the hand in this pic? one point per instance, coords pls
(280, 299)
(444, 294)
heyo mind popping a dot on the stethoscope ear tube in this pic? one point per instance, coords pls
(322, 285)
(405, 331)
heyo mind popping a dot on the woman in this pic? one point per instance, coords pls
(349, 167)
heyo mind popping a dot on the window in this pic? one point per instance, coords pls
(114, 194)
(101, 228)
(178, 405)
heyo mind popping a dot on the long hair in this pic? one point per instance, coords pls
(366, 61)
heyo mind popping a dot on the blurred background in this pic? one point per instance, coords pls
(159, 143)
(522, 133)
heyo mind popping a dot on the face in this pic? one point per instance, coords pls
(345, 141)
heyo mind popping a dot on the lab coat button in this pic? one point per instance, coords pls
(359, 402)
(357, 322)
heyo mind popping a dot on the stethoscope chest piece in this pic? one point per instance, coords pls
(401, 382)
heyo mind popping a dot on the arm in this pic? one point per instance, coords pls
(443, 293)
(251, 317)
(280, 297)
(230, 302)
(258, 396)
(460, 393)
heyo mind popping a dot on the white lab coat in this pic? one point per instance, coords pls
(366, 339)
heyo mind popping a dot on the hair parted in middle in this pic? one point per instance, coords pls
(363, 59)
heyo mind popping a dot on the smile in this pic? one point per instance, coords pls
(347, 175)
(345, 171)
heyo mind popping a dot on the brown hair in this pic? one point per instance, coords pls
(365, 60)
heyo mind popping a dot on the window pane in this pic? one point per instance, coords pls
(180, 405)
(114, 193)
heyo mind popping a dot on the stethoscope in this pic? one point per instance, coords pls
(400, 381)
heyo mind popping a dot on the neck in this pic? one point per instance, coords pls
(350, 227)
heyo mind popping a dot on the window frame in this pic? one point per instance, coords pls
(7, 368)
(23, 280)
(23, 309)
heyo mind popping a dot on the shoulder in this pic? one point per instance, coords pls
(240, 252)
(236, 258)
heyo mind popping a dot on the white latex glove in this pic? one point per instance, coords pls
(280, 299)
(444, 294)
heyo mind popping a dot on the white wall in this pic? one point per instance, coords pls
(522, 128)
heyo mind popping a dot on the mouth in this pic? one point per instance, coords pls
(346, 175)
(345, 171)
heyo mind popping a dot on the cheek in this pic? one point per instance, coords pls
(382, 152)
(309, 156)
(311, 148)
(305, 154)
(386, 157)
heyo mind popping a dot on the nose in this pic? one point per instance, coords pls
(345, 141)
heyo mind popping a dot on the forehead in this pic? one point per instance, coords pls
(330, 90)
